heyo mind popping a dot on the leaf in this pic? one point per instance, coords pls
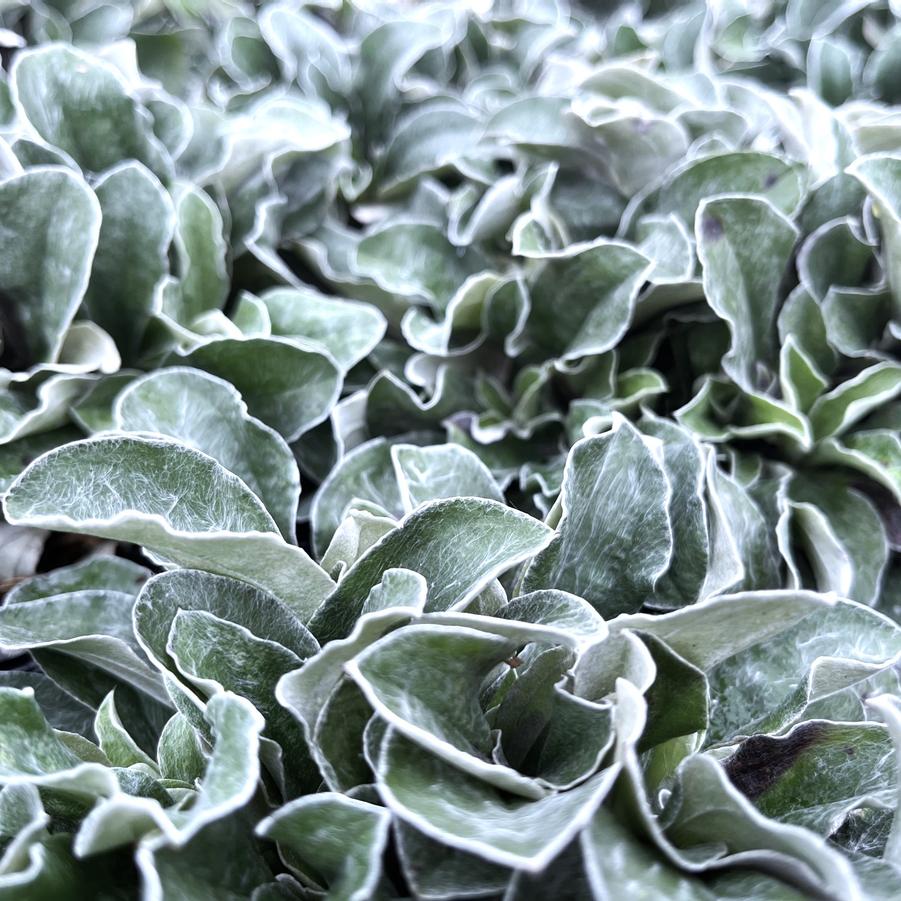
(833, 255)
(179, 754)
(677, 699)
(614, 558)
(386, 55)
(26, 414)
(711, 631)
(230, 600)
(400, 409)
(448, 723)
(201, 250)
(358, 532)
(46, 257)
(799, 378)
(565, 617)
(717, 827)
(208, 414)
(709, 810)
(217, 655)
(16, 455)
(289, 387)
(307, 48)
(619, 656)
(856, 318)
(81, 104)
(365, 474)
(320, 830)
(460, 327)
(95, 573)
(22, 821)
(802, 321)
(817, 774)
(683, 463)
(414, 260)
(437, 871)
(222, 857)
(444, 471)
(347, 329)
(88, 348)
(398, 597)
(879, 174)
(63, 711)
(665, 241)
(337, 743)
(245, 620)
(765, 687)
(470, 815)
(744, 245)
(21, 551)
(93, 626)
(560, 133)
(857, 528)
(32, 754)
(93, 412)
(251, 316)
(168, 510)
(637, 146)
(743, 172)
(52, 870)
(428, 142)
(457, 545)
(617, 861)
(835, 412)
(583, 301)
(744, 552)
(466, 813)
(136, 226)
(887, 707)
(114, 740)
(229, 782)
(876, 453)
(546, 732)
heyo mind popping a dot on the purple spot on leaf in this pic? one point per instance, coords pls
(711, 227)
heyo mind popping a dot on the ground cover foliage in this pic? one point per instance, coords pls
(484, 423)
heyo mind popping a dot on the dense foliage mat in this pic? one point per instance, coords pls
(481, 423)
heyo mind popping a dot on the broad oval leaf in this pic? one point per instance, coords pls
(208, 414)
(457, 545)
(46, 259)
(175, 501)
